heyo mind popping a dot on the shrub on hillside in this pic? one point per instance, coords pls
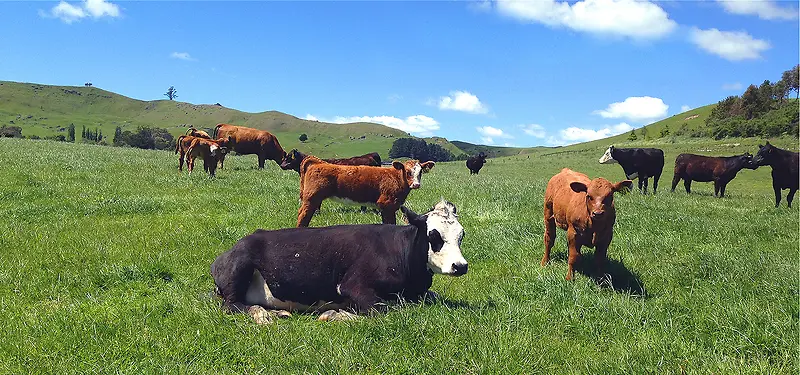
(11, 131)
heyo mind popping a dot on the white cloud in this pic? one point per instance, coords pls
(534, 130)
(462, 101)
(490, 132)
(577, 135)
(70, 13)
(418, 124)
(636, 108)
(182, 56)
(736, 86)
(685, 108)
(626, 18)
(730, 45)
(764, 9)
(487, 140)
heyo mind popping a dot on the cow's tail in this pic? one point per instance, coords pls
(216, 130)
(178, 143)
(189, 130)
(377, 158)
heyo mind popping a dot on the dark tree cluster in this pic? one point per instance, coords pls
(95, 135)
(10, 131)
(761, 111)
(419, 149)
(144, 137)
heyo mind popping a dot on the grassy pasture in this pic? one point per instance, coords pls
(105, 254)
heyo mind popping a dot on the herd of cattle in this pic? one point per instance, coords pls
(334, 269)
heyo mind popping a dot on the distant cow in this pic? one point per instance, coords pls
(641, 163)
(208, 149)
(197, 133)
(721, 170)
(585, 209)
(251, 141)
(784, 165)
(475, 163)
(343, 266)
(383, 188)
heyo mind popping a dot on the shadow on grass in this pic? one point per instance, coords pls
(615, 276)
(451, 304)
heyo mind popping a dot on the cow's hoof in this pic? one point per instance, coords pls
(333, 315)
(260, 315)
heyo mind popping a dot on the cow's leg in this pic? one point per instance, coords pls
(549, 234)
(363, 209)
(336, 315)
(641, 183)
(574, 252)
(221, 160)
(675, 180)
(687, 183)
(717, 185)
(655, 182)
(722, 186)
(601, 256)
(790, 196)
(645, 183)
(180, 162)
(261, 159)
(777, 190)
(307, 210)
(189, 163)
(388, 216)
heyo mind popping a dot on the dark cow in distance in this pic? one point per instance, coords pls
(294, 158)
(585, 209)
(784, 165)
(641, 163)
(476, 162)
(353, 267)
(197, 133)
(251, 141)
(721, 170)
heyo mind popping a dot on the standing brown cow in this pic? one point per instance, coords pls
(181, 145)
(251, 141)
(585, 209)
(208, 149)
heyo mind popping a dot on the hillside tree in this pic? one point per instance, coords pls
(118, 141)
(643, 132)
(303, 137)
(71, 133)
(83, 132)
(665, 131)
(792, 79)
(632, 136)
(172, 93)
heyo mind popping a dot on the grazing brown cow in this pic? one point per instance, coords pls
(251, 141)
(385, 188)
(721, 170)
(585, 209)
(210, 150)
(197, 133)
(181, 145)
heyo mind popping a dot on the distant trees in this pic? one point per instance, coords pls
(10, 131)
(419, 149)
(144, 137)
(761, 111)
(118, 139)
(632, 136)
(71, 133)
(664, 132)
(95, 135)
(171, 93)
(303, 137)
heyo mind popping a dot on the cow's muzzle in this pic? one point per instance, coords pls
(459, 269)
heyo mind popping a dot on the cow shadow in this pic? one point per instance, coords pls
(615, 276)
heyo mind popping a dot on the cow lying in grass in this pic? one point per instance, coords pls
(383, 188)
(210, 150)
(353, 267)
(585, 209)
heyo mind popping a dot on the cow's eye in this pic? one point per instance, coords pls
(436, 241)
(589, 197)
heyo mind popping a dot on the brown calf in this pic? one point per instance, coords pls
(197, 133)
(251, 141)
(585, 209)
(386, 188)
(210, 150)
(181, 145)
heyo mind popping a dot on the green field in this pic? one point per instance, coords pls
(106, 253)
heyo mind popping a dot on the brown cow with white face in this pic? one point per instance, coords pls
(208, 149)
(383, 188)
(251, 141)
(585, 209)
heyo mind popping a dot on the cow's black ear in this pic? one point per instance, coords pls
(578, 187)
(767, 144)
(398, 165)
(412, 217)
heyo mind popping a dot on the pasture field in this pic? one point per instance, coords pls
(105, 254)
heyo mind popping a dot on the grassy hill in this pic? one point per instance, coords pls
(45, 110)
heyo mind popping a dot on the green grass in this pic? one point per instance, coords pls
(106, 253)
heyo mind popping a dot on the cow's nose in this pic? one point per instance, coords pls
(597, 213)
(415, 186)
(459, 269)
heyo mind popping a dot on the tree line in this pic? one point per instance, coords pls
(419, 149)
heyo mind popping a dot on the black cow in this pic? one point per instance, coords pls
(721, 170)
(330, 268)
(476, 162)
(641, 163)
(784, 165)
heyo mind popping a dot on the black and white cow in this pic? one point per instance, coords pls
(353, 267)
(641, 163)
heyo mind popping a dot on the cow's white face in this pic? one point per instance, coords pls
(214, 150)
(414, 170)
(607, 158)
(444, 236)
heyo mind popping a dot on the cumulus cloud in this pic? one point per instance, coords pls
(634, 19)
(534, 130)
(636, 108)
(488, 131)
(730, 45)
(462, 101)
(736, 86)
(182, 56)
(685, 108)
(764, 9)
(70, 13)
(418, 124)
(574, 134)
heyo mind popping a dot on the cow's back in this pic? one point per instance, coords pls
(559, 198)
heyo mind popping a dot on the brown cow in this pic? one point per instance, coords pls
(210, 150)
(385, 188)
(721, 170)
(181, 145)
(585, 209)
(251, 141)
(197, 133)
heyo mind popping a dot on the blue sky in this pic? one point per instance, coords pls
(520, 73)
